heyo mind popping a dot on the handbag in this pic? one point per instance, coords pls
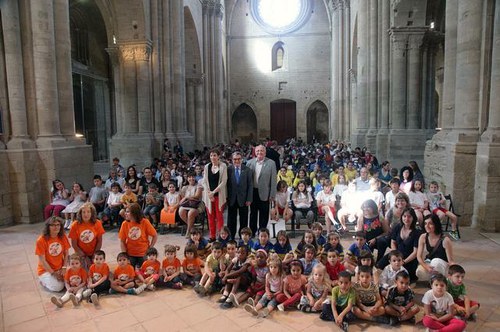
(190, 203)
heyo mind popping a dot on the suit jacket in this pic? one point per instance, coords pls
(239, 192)
(267, 178)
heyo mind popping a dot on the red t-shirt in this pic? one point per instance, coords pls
(136, 236)
(53, 249)
(97, 272)
(171, 267)
(76, 278)
(124, 273)
(86, 235)
(149, 268)
(334, 270)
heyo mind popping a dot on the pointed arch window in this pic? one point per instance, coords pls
(278, 54)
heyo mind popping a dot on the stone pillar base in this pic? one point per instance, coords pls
(405, 145)
(487, 183)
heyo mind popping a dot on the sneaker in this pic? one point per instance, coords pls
(227, 305)
(67, 224)
(94, 299)
(140, 289)
(234, 300)
(73, 299)
(473, 317)
(281, 307)
(131, 291)
(112, 291)
(454, 235)
(197, 288)
(86, 293)
(222, 299)
(202, 291)
(264, 313)
(151, 287)
(251, 301)
(251, 309)
(177, 285)
(57, 301)
(345, 326)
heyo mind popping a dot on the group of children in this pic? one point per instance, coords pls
(318, 276)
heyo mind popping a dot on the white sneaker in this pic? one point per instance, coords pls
(94, 298)
(73, 299)
(281, 307)
(87, 293)
(233, 299)
(57, 301)
(251, 309)
(140, 289)
(151, 287)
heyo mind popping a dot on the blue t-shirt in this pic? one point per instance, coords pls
(338, 248)
(249, 245)
(223, 242)
(321, 240)
(308, 267)
(353, 249)
(282, 251)
(267, 247)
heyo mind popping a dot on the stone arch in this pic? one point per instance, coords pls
(317, 122)
(244, 123)
(91, 76)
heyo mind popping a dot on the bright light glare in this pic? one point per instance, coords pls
(261, 55)
(279, 13)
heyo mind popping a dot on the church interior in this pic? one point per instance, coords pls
(83, 81)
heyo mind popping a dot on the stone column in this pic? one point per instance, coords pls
(220, 110)
(63, 67)
(398, 79)
(486, 194)
(178, 65)
(414, 82)
(199, 113)
(373, 79)
(346, 65)
(190, 106)
(144, 109)
(114, 57)
(335, 117)
(44, 70)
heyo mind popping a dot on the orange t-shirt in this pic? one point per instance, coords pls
(76, 278)
(192, 265)
(97, 272)
(171, 267)
(53, 249)
(135, 235)
(124, 273)
(86, 235)
(149, 268)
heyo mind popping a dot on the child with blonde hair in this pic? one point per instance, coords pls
(273, 287)
(316, 290)
(75, 280)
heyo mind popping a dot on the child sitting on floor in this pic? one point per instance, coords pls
(191, 266)
(75, 281)
(341, 303)
(149, 272)
(316, 290)
(464, 306)
(293, 287)
(212, 271)
(333, 266)
(124, 276)
(171, 269)
(400, 299)
(98, 279)
(388, 275)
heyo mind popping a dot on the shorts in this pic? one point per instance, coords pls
(281, 210)
(151, 210)
(434, 211)
(321, 213)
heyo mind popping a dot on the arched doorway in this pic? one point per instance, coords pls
(91, 76)
(283, 119)
(317, 122)
(244, 124)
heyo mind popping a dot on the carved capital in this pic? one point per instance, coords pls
(114, 55)
(135, 51)
(219, 10)
(415, 41)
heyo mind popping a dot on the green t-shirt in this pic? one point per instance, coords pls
(457, 292)
(212, 262)
(343, 299)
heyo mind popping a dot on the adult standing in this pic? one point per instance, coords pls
(52, 251)
(136, 235)
(239, 193)
(264, 188)
(215, 192)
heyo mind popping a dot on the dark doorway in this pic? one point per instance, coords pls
(317, 122)
(283, 120)
(244, 124)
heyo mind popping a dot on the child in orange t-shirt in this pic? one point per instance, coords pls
(124, 276)
(75, 280)
(98, 281)
(86, 233)
(191, 266)
(170, 269)
(127, 198)
(149, 272)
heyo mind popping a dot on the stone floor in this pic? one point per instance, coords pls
(25, 306)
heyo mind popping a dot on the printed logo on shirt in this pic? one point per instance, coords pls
(191, 268)
(149, 271)
(96, 276)
(87, 236)
(55, 249)
(123, 277)
(134, 233)
(75, 280)
(170, 270)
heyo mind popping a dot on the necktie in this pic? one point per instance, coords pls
(237, 173)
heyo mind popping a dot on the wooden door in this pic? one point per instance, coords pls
(283, 120)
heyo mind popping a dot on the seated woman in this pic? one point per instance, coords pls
(375, 227)
(393, 215)
(439, 249)
(404, 238)
(281, 206)
(132, 179)
(406, 176)
(59, 199)
(52, 251)
(302, 201)
(191, 205)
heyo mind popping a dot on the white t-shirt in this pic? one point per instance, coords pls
(390, 199)
(440, 306)
(417, 198)
(325, 198)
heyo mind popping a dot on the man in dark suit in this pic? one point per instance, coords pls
(264, 188)
(239, 193)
